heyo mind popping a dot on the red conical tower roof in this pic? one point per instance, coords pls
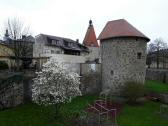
(90, 37)
(120, 28)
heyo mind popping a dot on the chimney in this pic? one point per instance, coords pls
(23, 36)
(77, 40)
(6, 33)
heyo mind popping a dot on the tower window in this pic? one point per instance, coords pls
(112, 72)
(93, 67)
(139, 55)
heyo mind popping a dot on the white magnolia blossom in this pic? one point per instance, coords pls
(55, 84)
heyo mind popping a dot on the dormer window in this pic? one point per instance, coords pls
(66, 43)
(54, 42)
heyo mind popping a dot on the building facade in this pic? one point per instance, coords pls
(6, 55)
(123, 54)
(64, 49)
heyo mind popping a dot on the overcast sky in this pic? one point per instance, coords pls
(69, 18)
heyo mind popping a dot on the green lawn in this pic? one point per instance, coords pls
(143, 115)
(34, 115)
(156, 86)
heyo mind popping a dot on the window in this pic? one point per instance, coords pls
(112, 72)
(66, 43)
(93, 67)
(49, 41)
(54, 42)
(47, 51)
(52, 51)
(58, 52)
(139, 55)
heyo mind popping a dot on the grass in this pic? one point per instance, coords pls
(156, 86)
(143, 115)
(34, 115)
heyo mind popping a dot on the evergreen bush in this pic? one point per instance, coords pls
(132, 91)
(3, 65)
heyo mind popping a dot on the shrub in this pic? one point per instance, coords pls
(3, 65)
(132, 91)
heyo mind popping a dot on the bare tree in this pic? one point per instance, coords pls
(156, 46)
(16, 32)
(16, 28)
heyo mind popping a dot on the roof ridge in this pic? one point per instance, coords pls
(117, 20)
(56, 36)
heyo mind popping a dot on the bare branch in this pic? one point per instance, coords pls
(156, 45)
(16, 28)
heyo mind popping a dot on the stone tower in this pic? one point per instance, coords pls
(123, 54)
(90, 41)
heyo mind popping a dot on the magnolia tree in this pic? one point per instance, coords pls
(55, 84)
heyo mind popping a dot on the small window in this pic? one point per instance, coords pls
(66, 44)
(58, 52)
(93, 67)
(139, 55)
(47, 51)
(52, 51)
(112, 72)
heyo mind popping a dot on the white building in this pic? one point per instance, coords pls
(65, 49)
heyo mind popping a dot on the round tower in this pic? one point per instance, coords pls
(123, 54)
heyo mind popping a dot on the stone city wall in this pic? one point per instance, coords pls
(90, 75)
(91, 78)
(94, 54)
(11, 92)
(17, 89)
(157, 74)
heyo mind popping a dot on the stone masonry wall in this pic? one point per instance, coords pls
(157, 74)
(11, 93)
(94, 54)
(120, 61)
(90, 78)
(16, 88)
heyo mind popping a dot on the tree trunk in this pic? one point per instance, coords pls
(157, 60)
(57, 110)
(17, 65)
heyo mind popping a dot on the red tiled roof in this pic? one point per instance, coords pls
(120, 28)
(90, 37)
